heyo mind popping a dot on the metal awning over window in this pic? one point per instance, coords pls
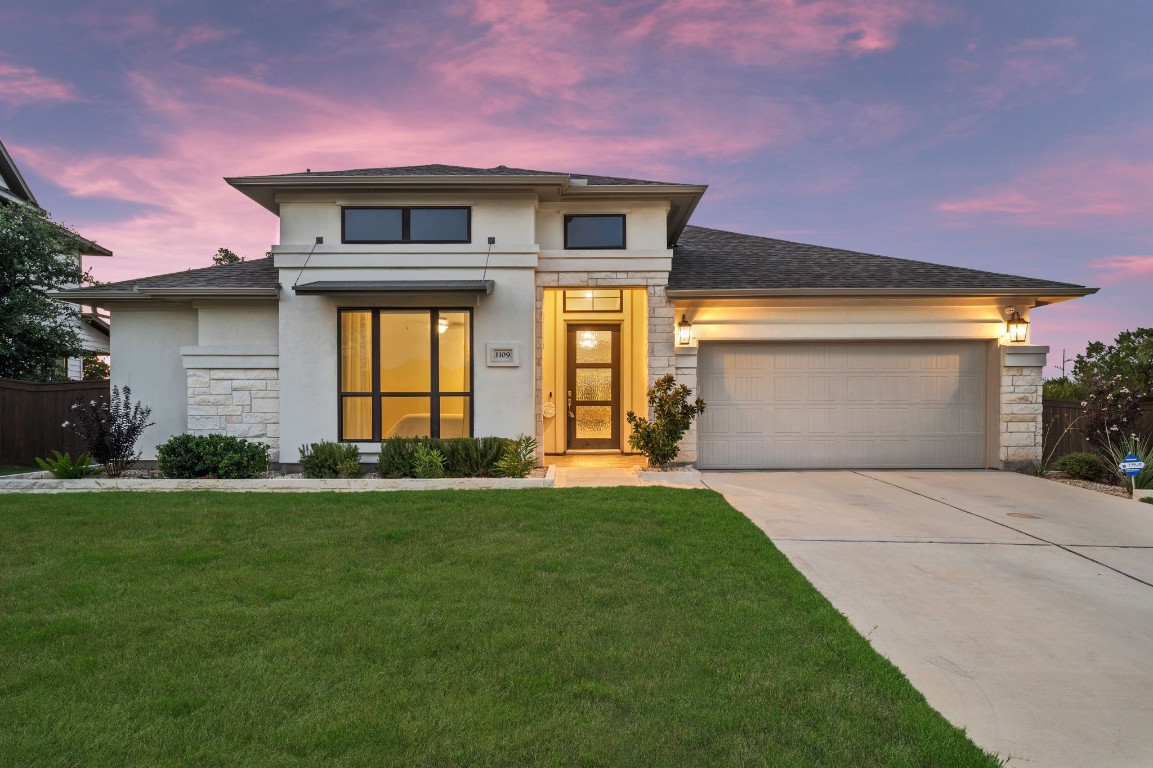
(396, 286)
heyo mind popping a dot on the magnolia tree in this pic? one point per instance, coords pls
(658, 438)
(36, 331)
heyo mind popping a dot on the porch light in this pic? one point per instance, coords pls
(442, 325)
(1016, 326)
(684, 332)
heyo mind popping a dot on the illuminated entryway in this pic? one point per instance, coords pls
(594, 363)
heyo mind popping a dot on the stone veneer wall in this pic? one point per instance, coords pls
(661, 323)
(1022, 435)
(243, 402)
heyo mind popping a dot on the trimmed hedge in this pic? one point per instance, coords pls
(463, 456)
(224, 456)
(329, 460)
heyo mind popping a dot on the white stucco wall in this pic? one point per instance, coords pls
(502, 396)
(146, 350)
(230, 325)
(510, 218)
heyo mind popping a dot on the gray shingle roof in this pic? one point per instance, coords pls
(257, 273)
(712, 259)
(461, 170)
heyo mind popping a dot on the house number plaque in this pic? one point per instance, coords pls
(503, 353)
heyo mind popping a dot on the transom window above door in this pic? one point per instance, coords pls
(594, 231)
(405, 225)
(405, 373)
(592, 300)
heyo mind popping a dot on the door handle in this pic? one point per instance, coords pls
(571, 414)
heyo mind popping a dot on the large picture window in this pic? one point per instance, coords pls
(405, 373)
(594, 231)
(406, 225)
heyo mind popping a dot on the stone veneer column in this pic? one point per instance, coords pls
(242, 402)
(686, 372)
(1022, 435)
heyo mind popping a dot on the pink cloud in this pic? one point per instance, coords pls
(1118, 269)
(1084, 185)
(24, 85)
(784, 32)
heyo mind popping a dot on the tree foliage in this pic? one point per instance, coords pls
(1118, 378)
(225, 256)
(36, 332)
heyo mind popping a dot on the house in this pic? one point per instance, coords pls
(90, 325)
(446, 300)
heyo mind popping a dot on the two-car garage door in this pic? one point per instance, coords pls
(793, 405)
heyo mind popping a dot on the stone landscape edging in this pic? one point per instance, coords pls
(25, 484)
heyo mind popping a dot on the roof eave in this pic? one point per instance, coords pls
(1043, 295)
(90, 297)
(263, 189)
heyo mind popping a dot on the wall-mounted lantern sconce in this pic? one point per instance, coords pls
(442, 325)
(684, 332)
(1016, 326)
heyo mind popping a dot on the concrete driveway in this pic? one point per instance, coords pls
(1022, 608)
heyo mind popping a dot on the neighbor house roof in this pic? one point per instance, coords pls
(13, 189)
(712, 262)
(12, 185)
(256, 278)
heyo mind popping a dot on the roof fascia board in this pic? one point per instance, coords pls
(1051, 294)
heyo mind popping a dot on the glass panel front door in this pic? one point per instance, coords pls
(594, 386)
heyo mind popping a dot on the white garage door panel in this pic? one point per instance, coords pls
(801, 405)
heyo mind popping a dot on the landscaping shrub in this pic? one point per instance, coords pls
(1115, 452)
(65, 467)
(519, 457)
(463, 456)
(110, 428)
(1147, 500)
(427, 462)
(213, 455)
(658, 440)
(1081, 466)
(395, 458)
(329, 460)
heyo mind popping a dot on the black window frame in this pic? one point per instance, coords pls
(405, 223)
(570, 311)
(377, 394)
(624, 231)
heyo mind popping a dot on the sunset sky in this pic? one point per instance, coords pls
(1009, 136)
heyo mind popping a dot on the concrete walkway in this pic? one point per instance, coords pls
(1022, 608)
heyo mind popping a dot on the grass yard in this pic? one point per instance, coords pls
(582, 627)
(16, 470)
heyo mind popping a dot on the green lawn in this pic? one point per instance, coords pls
(590, 627)
(16, 470)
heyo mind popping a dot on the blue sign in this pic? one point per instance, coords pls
(1131, 465)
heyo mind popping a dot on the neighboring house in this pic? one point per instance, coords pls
(90, 325)
(451, 301)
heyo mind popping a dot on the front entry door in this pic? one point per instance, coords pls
(594, 386)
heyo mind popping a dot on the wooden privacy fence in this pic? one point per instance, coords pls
(1063, 429)
(31, 414)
